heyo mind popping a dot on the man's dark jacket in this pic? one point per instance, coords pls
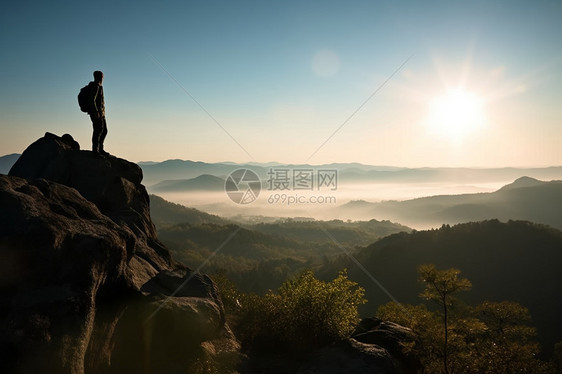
(96, 100)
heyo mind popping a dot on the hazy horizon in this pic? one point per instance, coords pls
(361, 163)
(146, 161)
(327, 205)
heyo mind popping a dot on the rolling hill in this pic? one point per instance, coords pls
(356, 233)
(516, 261)
(524, 199)
(6, 162)
(165, 213)
(258, 256)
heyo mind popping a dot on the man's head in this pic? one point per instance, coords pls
(98, 77)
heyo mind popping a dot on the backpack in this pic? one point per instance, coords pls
(84, 97)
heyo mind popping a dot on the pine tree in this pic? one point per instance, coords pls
(441, 286)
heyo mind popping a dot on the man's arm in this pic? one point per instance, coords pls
(92, 100)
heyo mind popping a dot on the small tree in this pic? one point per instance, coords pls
(441, 286)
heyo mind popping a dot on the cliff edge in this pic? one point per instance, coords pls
(86, 285)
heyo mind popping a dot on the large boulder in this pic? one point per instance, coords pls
(111, 183)
(375, 347)
(85, 284)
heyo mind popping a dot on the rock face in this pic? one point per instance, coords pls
(85, 284)
(112, 184)
(375, 347)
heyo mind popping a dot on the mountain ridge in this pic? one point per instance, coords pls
(181, 169)
(175, 169)
(524, 199)
(203, 182)
(7, 161)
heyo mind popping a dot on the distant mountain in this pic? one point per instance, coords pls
(522, 182)
(517, 261)
(146, 163)
(348, 173)
(457, 175)
(6, 162)
(203, 182)
(179, 169)
(525, 199)
(165, 213)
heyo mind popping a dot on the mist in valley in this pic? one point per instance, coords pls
(355, 201)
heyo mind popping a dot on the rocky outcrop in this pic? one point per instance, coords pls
(375, 347)
(112, 184)
(85, 284)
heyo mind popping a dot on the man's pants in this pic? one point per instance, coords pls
(100, 131)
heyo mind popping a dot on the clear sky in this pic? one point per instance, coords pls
(482, 87)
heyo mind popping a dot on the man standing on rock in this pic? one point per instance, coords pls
(97, 113)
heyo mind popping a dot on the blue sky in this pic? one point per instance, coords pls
(282, 77)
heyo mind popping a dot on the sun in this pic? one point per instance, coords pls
(456, 114)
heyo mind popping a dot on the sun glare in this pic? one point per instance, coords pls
(456, 114)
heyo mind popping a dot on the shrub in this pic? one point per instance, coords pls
(306, 313)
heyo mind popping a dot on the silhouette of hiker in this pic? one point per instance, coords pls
(97, 113)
